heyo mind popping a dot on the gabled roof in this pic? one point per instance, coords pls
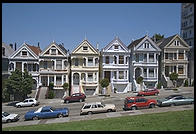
(111, 43)
(85, 40)
(60, 47)
(136, 42)
(166, 41)
(35, 49)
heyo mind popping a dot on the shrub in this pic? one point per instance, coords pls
(50, 94)
(139, 79)
(51, 86)
(159, 85)
(186, 83)
(104, 82)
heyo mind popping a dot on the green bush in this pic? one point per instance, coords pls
(139, 80)
(50, 94)
(186, 83)
(51, 86)
(104, 82)
(159, 85)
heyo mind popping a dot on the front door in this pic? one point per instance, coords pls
(44, 80)
(167, 71)
(107, 75)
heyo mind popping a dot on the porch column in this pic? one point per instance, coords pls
(62, 79)
(184, 55)
(86, 77)
(54, 64)
(86, 61)
(124, 59)
(62, 64)
(22, 66)
(147, 57)
(147, 72)
(40, 79)
(155, 57)
(177, 69)
(117, 74)
(94, 61)
(55, 80)
(177, 54)
(117, 58)
(154, 72)
(48, 80)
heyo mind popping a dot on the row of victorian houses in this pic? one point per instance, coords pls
(85, 66)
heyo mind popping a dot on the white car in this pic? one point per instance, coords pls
(6, 117)
(28, 102)
(97, 107)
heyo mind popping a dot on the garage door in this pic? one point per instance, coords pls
(120, 87)
(89, 91)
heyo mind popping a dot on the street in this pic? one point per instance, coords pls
(74, 108)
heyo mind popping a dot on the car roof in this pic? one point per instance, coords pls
(30, 99)
(46, 107)
(134, 97)
(90, 103)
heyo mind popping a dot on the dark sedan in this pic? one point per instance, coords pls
(175, 100)
(75, 97)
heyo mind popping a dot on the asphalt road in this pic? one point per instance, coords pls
(117, 99)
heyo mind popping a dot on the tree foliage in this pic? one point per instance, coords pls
(19, 84)
(173, 77)
(139, 79)
(65, 86)
(104, 82)
(157, 37)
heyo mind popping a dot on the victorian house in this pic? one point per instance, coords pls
(54, 67)
(144, 62)
(174, 58)
(85, 69)
(115, 65)
(26, 58)
(7, 50)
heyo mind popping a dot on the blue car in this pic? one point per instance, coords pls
(46, 112)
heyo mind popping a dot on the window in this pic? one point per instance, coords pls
(125, 74)
(90, 77)
(3, 51)
(115, 76)
(170, 56)
(116, 47)
(100, 106)
(107, 59)
(58, 80)
(84, 61)
(175, 56)
(121, 59)
(83, 76)
(45, 65)
(166, 55)
(151, 57)
(190, 21)
(85, 48)
(145, 72)
(190, 32)
(87, 107)
(53, 51)
(146, 45)
(34, 67)
(190, 9)
(181, 55)
(127, 58)
(90, 61)
(59, 64)
(190, 43)
(65, 64)
(177, 43)
(137, 57)
(76, 61)
(180, 70)
(30, 100)
(115, 60)
(95, 76)
(145, 57)
(94, 106)
(24, 53)
(64, 78)
(96, 62)
(121, 74)
(51, 79)
(151, 72)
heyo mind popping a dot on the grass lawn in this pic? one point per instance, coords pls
(168, 121)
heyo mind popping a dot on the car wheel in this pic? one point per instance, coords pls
(60, 116)
(18, 106)
(109, 110)
(80, 100)
(152, 105)
(35, 118)
(192, 102)
(67, 101)
(33, 105)
(134, 108)
(8, 121)
(90, 113)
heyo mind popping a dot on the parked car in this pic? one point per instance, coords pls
(133, 103)
(7, 118)
(46, 112)
(13, 103)
(75, 97)
(148, 92)
(175, 100)
(97, 107)
(28, 102)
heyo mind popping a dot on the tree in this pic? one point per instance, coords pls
(65, 87)
(159, 85)
(173, 77)
(19, 84)
(139, 80)
(157, 37)
(50, 94)
(186, 83)
(104, 83)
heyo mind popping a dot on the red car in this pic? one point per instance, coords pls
(148, 92)
(133, 103)
(75, 97)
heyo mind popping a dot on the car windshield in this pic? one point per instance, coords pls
(39, 110)
(5, 114)
(169, 97)
(102, 104)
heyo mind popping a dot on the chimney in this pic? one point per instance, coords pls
(62, 44)
(11, 45)
(97, 46)
(154, 38)
(38, 44)
(15, 46)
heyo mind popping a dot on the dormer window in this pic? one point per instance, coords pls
(24, 53)
(116, 47)
(146, 45)
(85, 48)
(177, 43)
(53, 51)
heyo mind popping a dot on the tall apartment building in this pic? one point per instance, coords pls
(187, 33)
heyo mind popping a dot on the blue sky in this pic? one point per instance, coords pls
(68, 23)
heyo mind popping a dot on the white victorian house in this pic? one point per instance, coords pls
(144, 62)
(85, 69)
(115, 65)
(54, 67)
(26, 57)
